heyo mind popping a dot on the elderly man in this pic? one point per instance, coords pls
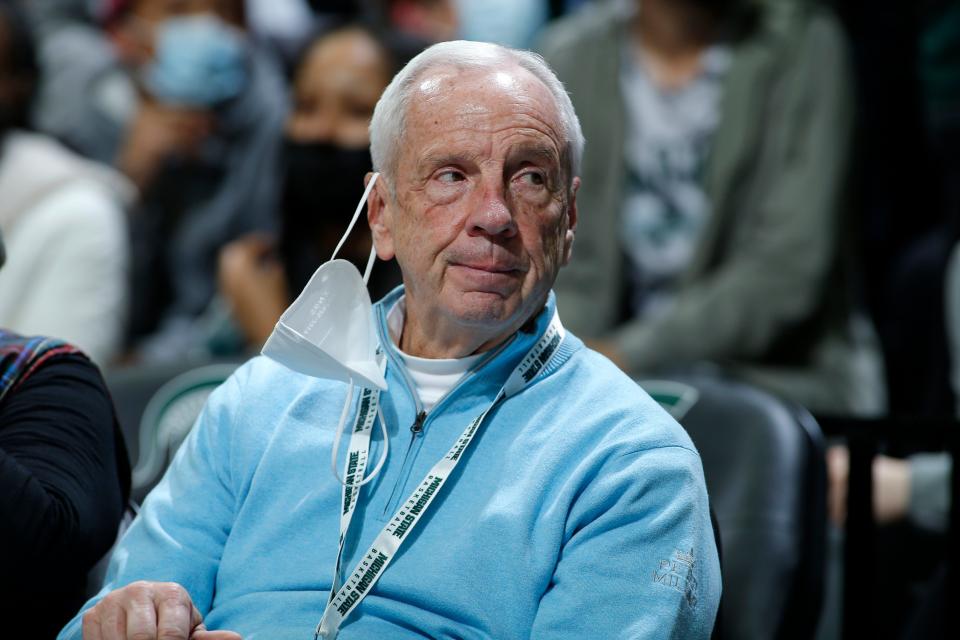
(531, 490)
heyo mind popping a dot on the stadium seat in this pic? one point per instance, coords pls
(156, 407)
(167, 420)
(764, 465)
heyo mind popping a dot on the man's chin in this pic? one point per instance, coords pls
(492, 310)
(485, 307)
(486, 310)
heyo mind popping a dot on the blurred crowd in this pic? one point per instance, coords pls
(770, 188)
(756, 201)
(174, 170)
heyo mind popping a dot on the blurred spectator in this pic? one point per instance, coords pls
(429, 20)
(911, 210)
(918, 488)
(712, 226)
(326, 156)
(191, 110)
(63, 218)
(283, 25)
(916, 491)
(286, 26)
(64, 479)
(512, 23)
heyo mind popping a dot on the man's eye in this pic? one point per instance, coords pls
(450, 177)
(534, 178)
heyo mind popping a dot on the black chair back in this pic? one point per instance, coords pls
(156, 407)
(763, 459)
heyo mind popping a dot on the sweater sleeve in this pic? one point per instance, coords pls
(641, 561)
(60, 491)
(184, 523)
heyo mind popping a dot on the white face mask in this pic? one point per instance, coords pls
(328, 332)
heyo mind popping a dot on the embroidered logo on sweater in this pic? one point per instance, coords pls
(677, 573)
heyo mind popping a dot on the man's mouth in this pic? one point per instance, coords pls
(488, 267)
(492, 277)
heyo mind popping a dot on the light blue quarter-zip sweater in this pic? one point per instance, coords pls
(580, 510)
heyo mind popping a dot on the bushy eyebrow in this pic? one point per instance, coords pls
(539, 153)
(546, 154)
(441, 157)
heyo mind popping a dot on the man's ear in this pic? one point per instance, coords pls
(571, 222)
(380, 216)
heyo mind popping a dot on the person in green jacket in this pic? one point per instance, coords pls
(713, 226)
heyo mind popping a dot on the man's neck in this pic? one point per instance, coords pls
(439, 337)
(444, 341)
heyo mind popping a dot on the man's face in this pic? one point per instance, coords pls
(484, 212)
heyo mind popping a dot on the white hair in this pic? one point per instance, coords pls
(388, 125)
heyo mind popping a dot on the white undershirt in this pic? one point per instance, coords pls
(433, 377)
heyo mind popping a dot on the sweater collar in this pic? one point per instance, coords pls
(510, 352)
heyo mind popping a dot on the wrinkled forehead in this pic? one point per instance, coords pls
(449, 97)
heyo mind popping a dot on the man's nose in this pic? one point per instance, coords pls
(492, 217)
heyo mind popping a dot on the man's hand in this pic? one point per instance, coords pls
(148, 611)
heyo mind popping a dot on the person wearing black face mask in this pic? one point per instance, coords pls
(326, 155)
(321, 191)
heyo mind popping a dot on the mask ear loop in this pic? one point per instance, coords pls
(340, 425)
(346, 405)
(386, 449)
(356, 216)
(336, 441)
(370, 261)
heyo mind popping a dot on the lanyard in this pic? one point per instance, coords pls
(356, 466)
(344, 599)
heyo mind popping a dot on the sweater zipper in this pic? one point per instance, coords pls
(417, 427)
(415, 430)
(422, 416)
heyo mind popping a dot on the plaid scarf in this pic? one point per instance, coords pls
(20, 357)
